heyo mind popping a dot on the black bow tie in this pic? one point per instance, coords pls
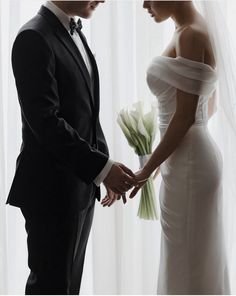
(75, 26)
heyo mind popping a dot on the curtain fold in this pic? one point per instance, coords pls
(129, 250)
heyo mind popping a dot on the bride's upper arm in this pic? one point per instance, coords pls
(189, 45)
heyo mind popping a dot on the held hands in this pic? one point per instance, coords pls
(119, 180)
(112, 197)
(142, 176)
(137, 181)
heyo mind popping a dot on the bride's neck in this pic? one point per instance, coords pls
(184, 13)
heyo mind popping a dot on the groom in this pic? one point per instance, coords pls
(64, 156)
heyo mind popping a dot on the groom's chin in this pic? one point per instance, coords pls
(87, 13)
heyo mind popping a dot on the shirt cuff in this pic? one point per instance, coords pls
(103, 174)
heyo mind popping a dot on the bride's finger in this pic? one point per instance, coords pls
(134, 192)
(142, 181)
(124, 198)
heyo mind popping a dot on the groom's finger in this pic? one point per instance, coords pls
(105, 200)
(110, 203)
(110, 194)
(106, 203)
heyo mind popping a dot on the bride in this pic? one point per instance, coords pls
(184, 80)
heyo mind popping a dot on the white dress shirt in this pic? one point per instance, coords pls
(65, 20)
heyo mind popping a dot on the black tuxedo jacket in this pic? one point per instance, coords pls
(63, 146)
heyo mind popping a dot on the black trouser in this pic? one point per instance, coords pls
(56, 250)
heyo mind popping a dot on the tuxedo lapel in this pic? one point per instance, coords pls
(68, 42)
(72, 48)
(95, 70)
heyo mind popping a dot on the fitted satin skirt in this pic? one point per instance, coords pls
(192, 257)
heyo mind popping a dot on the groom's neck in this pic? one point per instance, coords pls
(65, 6)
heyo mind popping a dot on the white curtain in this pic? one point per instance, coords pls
(123, 251)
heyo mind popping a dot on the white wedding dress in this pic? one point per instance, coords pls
(192, 259)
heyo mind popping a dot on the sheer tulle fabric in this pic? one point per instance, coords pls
(187, 75)
(192, 246)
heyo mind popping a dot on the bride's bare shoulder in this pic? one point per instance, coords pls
(190, 42)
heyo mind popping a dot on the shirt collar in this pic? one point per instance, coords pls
(60, 14)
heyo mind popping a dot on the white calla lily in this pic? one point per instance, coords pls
(138, 107)
(140, 130)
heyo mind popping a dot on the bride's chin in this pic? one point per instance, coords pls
(157, 20)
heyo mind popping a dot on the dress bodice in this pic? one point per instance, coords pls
(165, 75)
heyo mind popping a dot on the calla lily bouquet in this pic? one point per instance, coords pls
(140, 131)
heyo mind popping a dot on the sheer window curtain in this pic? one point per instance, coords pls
(123, 251)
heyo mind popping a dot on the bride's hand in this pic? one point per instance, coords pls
(112, 197)
(142, 176)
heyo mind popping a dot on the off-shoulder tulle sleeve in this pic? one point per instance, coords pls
(189, 76)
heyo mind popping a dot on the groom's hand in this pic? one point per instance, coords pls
(120, 179)
(111, 198)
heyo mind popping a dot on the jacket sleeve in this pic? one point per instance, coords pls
(33, 64)
(102, 144)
